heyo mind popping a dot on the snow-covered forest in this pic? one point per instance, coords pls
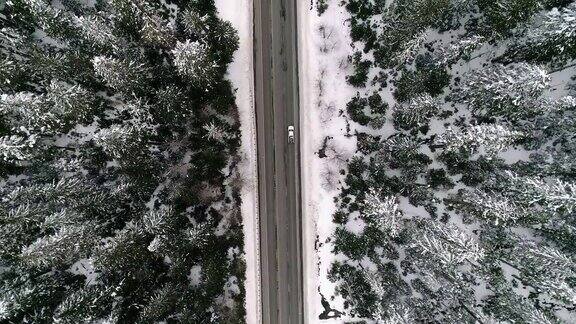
(119, 185)
(457, 202)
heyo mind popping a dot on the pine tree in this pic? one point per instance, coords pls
(506, 305)
(17, 148)
(399, 314)
(96, 30)
(63, 248)
(194, 23)
(72, 103)
(19, 226)
(553, 196)
(101, 139)
(89, 303)
(193, 61)
(486, 138)
(445, 244)
(382, 212)
(557, 161)
(53, 21)
(555, 121)
(545, 268)
(227, 41)
(198, 235)
(500, 16)
(416, 113)
(160, 221)
(499, 90)
(411, 48)
(121, 141)
(125, 254)
(402, 152)
(549, 36)
(460, 50)
(29, 111)
(499, 210)
(31, 211)
(125, 75)
(162, 303)
(157, 32)
(27, 298)
(172, 106)
(12, 72)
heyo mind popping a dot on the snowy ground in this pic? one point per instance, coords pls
(240, 72)
(324, 45)
(323, 51)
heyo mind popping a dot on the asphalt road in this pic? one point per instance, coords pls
(276, 100)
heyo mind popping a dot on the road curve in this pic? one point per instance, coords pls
(276, 101)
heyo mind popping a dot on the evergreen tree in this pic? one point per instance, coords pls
(488, 206)
(500, 16)
(548, 37)
(462, 49)
(445, 244)
(126, 75)
(155, 31)
(194, 23)
(68, 244)
(382, 212)
(506, 305)
(17, 148)
(193, 61)
(500, 90)
(401, 152)
(416, 113)
(485, 232)
(487, 138)
(162, 303)
(113, 117)
(553, 196)
(96, 30)
(88, 303)
(547, 269)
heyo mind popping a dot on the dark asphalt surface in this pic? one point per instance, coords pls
(276, 100)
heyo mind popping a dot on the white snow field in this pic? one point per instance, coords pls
(240, 73)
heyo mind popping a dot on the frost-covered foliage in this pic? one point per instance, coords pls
(460, 208)
(16, 148)
(416, 113)
(503, 90)
(121, 75)
(463, 48)
(491, 138)
(193, 62)
(548, 37)
(382, 212)
(95, 29)
(117, 136)
(446, 244)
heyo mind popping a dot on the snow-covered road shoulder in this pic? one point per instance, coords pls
(240, 73)
(324, 48)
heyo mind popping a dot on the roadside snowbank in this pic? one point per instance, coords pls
(240, 73)
(323, 66)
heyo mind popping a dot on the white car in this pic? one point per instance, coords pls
(291, 134)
